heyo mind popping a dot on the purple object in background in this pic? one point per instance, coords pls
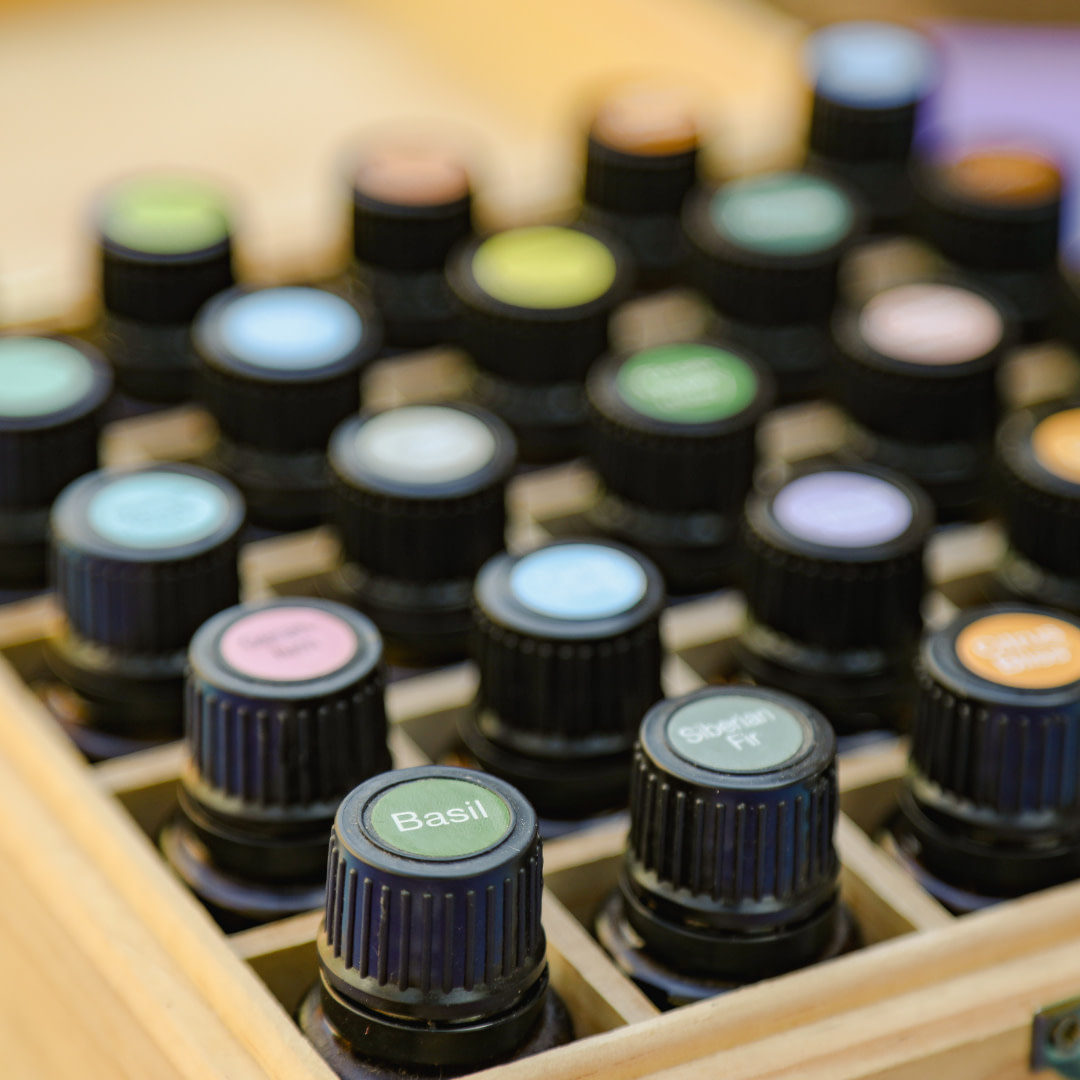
(1013, 85)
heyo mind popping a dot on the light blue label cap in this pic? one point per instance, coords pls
(290, 329)
(158, 510)
(39, 376)
(578, 581)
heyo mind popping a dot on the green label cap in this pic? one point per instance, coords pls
(782, 214)
(688, 384)
(165, 215)
(737, 733)
(439, 818)
(39, 376)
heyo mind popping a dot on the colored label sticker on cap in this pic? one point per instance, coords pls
(1056, 443)
(1007, 178)
(40, 376)
(165, 215)
(843, 509)
(290, 329)
(402, 175)
(870, 65)
(440, 818)
(158, 510)
(288, 644)
(1021, 649)
(782, 214)
(647, 120)
(930, 324)
(424, 444)
(544, 267)
(736, 733)
(578, 581)
(688, 384)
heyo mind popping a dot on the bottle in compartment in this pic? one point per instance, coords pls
(165, 247)
(432, 952)
(141, 559)
(411, 203)
(1038, 464)
(279, 369)
(284, 716)
(765, 251)
(995, 213)
(672, 435)
(730, 874)
(52, 393)
(990, 807)
(640, 162)
(834, 583)
(870, 80)
(535, 306)
(917, 372)
(419, 496)
(567, 643)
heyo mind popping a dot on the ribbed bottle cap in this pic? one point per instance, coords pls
(142, 558)
(991, 209)
(51, 393)
(994, 789)
(733, 807)
(433, 914)
(568, 646)
(767, 249)
(280, 367)
(284, 716)
(165, 247)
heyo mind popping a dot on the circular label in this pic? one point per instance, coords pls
(1056, 443)
(688, 384)
(288, 644)
(290, 329)
(440, 818)
(843, 509)
(424, 444)
(736, 733)
(158, 510)
(652, 121)
(1004, 177)
(931, 325)
(870, 64)
(39, 376)
(1021, 649)
(411, 176)
(782, 214)
(544, 267)
(165, 215)
(578, 581)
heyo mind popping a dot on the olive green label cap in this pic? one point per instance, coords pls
(438, 818)
(782, 214)
(165, 215)
(687, 384)
(736, 733)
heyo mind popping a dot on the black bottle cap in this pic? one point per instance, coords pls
(165, 247)
(992, 793)
(641, 156)
(411, 205)
(280, 367)
(432, 948)
(868, 79)
(1067, 316)
(918, 362)
(51, 393)
(730, 865)
(568, 645)
(767, 249)
(1040, 486)
(991, 209)
(142, 558)
(284, 716)
(672, 436)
